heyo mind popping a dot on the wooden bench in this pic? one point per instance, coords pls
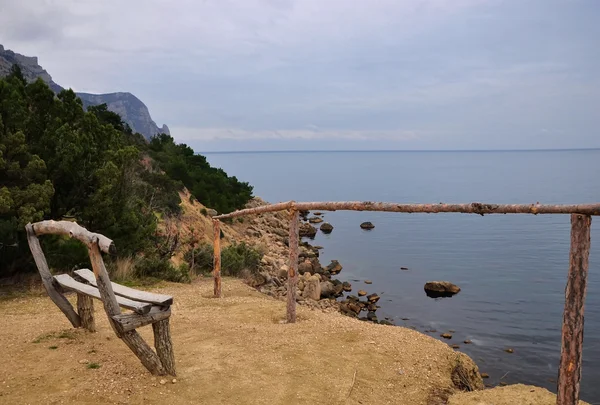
(147, 308)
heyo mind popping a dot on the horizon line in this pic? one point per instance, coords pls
(396, 150)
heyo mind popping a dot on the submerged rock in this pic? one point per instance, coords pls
(334, 267)
(315, 220)
(326, 227)
(436, 289)
(373, 298)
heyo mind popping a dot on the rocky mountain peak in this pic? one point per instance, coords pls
(131, 109)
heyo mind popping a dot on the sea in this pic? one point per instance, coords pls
(511, 269)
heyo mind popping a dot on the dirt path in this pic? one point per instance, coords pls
(228, 351)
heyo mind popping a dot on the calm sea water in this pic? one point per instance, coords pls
(511, 268)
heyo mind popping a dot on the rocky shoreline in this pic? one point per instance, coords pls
(317, 286)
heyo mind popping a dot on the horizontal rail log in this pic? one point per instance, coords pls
(73, 230)
(470, 208)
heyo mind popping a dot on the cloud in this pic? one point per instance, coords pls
(311, 133)
(449, 71)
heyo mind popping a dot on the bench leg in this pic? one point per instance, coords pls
(141, 349)
(85, 308)
(164, 346)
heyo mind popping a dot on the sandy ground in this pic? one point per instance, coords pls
(233, 350)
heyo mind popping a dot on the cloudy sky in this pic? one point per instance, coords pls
(332, 74)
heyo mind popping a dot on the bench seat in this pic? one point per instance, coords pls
(70, 283)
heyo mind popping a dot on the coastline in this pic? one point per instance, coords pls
(272, 230)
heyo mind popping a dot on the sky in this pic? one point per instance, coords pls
(332, 74)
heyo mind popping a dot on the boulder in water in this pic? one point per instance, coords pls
(436, 289)
(367, 225)
(326, 227)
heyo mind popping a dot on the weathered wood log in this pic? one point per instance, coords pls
(48, 281)
(131, 321)
(73, 230)
(472, 208)
(569, 372)
(140, 348)
(293, 267)
(164, 346)
(85, 308)
(131, 293)
(109, 300)
(69, 283)
(217, 257)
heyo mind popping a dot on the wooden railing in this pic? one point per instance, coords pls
(569, 372)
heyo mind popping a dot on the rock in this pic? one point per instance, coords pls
(367, 225)
(315, 220)
(373, 298)
(307, 231)
(305, 267)
(316, 265)
(485, 375)
(455, 346)
(307, 254)
(211, 213)
(372, 307)
(509, 350)
(446, 335)
(301, 285)
(386, 322)
(317, 213)
(467, 342)
(347, 286)
(174, 380)
(362, 293)
(338, 290)
(326, 227)
(465, 374)
(350, 306)
(283, 272)
(317, 247)
(436, 289)
(403, 268)
(334, 267)
(368, 282)
(163, 381)
(312, 288)
(327, 289)
(84, 361)
(371, 316)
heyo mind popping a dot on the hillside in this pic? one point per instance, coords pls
(131, 109)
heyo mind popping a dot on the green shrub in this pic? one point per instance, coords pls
(234, 259)
(203, 211)
(237, 257)
(163, 269)
(203, 258)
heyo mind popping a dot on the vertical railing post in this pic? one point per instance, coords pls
(293, 268)
(569, 372)
(217, 257)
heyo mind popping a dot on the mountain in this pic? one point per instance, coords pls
(131, 109)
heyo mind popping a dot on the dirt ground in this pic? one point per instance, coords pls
(233, 350)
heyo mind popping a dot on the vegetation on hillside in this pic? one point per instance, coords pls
(58, 161)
